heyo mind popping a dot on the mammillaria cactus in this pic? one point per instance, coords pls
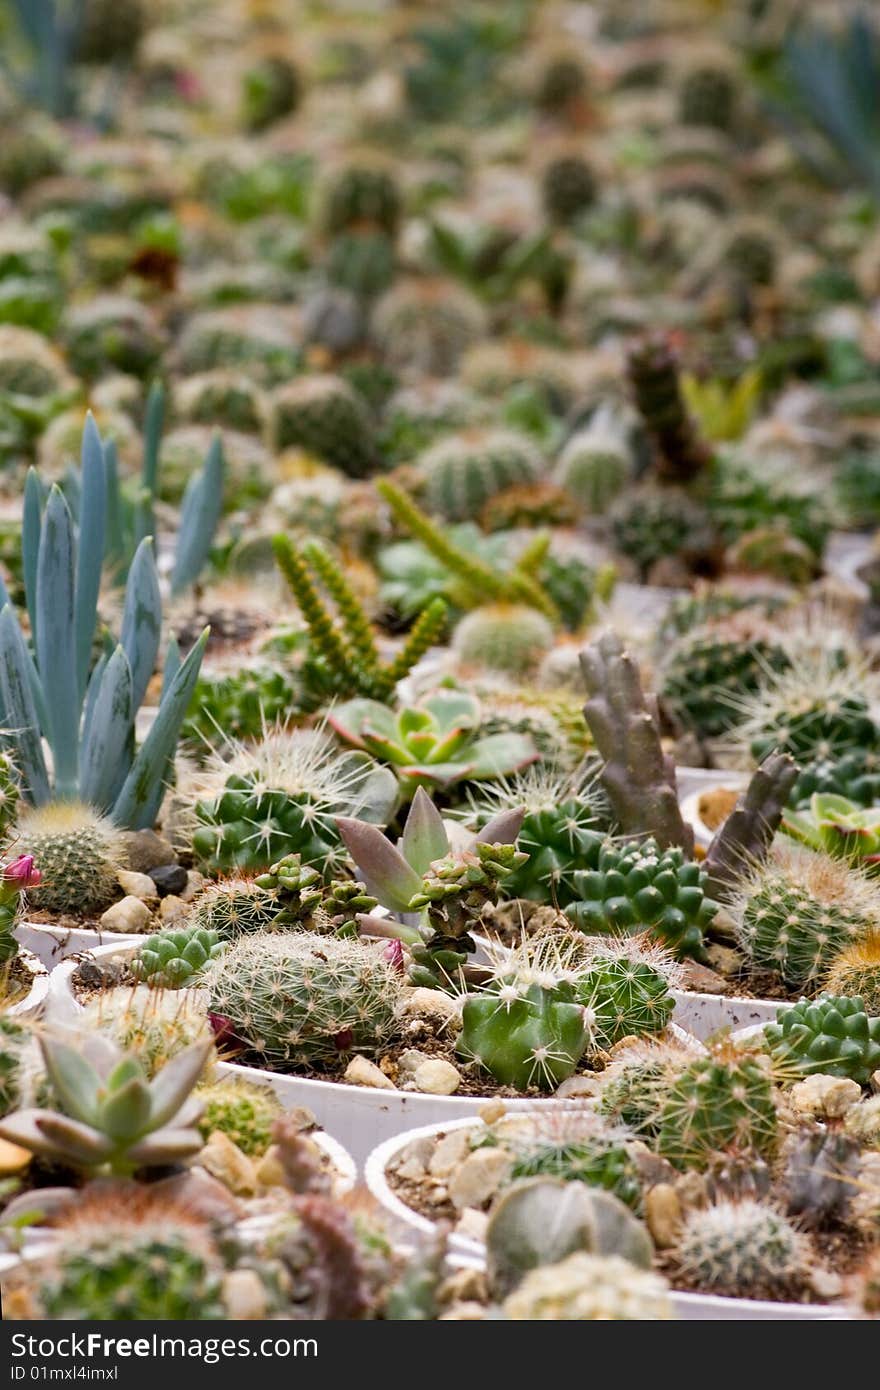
(595, 463)
(707, 96)
(112, 1118)
(652, 523)
(589, 1288)
(13, 1040)
(81, 853)
(134, 1274)
(427, 325)
(717, 1103)
(627, 997)
(327, 418)
(744, 1250)
(152, 1025)
(833, 1035)
(584, 1150)
(510, 638)
(174, 958)
(706, 667)
(635, 1082)
(856, 971)
(462, 472)
(297, 999)
(361, 193)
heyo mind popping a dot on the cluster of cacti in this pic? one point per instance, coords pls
(175, 958)
(833, 1034)
(238, 704)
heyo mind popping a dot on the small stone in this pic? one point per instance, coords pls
(826, 1283)
(362, 1072)
(692, 1190)
(663, 1214)
(472, 1223)
(172, 909)
(724, 959)
(436, 1077)
(419, 1150)
(575, 1086)
(479, 1178)
(195, 882)
(451, 1150)
(432, 1002)
(244, 1295)
(437, 1197)
(652, 1168)
(137, 885)
(700, 978)
(492, 1112)
(825, 1097)
(875, 1080)
(226, 1162)
(270, 1170)
(169, 878)
(410, 1170)
(464, 1283)
(409, 1059)
(12, 1158)
(128, 915)
(145, 850)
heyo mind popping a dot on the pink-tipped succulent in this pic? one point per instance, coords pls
(22, 873)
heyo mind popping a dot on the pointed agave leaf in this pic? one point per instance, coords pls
(31, 525)
(108, 742)
(55, 643)
(20, 709)
(114, 512)
(92, 690)
(142, 621)
(171, 1086)
(154, 420)
(90, 547)
(171, 667)
(138, 803)
(199, 518)
(380, 864)
(424, 837)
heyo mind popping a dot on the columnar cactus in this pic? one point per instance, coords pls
(717, 1103)
(653, 372)
(833, 1035)
(747, 833)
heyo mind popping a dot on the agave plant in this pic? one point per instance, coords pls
(112, 1117)
(50, 30)
(87, 714)
(838, 826)
(433, 743)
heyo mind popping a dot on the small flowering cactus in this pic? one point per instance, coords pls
(16, 877)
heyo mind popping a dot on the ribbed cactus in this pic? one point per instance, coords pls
(427, 325)
(235, 907)
(705, 668)
(245, 1113)
(626, 998)
(595, 464)
(568, 188)
(9, 794)
(708, 96)
(855, 775)
(296, 999)
(460, 473)
(134, 1274)
(589, 1288)
(652, 523)
(175, 957)
(325, 417)
(634, 1085)
(557, 838)
(525, 1035)
(599, 1158)
(718, 1103)
(743, 1249)
(80, 854)
(856, 971)
(361, 193)
(833, 1035)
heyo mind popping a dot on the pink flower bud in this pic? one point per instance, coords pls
(393, 953)
(22, 873)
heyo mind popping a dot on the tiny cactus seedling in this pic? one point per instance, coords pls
(833, 1035)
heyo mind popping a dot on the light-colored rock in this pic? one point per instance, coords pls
(195, 882)
(409, 1059)
(479, 1177)
(226, 1162)
(145, 850)
(128, 915)
(663, 1214)
(692, 1191)
(492, 1112)
(270, 1170)
(825, 1097)
(172, 909)
(432, 1002)
(362, 1072)
(865, 1208)
(451, 1150)
(244, 1295)
(578, 1086)
(826, 1284)
(875, 1080)
(137, 885)
(863, 1121)
(472, 1223)
(435, 1077)
(411, 1170)
(12, 1158)
(420, 1150)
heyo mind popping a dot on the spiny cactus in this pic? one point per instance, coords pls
(13, 1040)
(568, 188)
(653, 373)
(462, 472)
(327, 418)
(271, 90)
(595, 464)
(152, 1025)
(9, 794)
(361, 193)
(745, 837)
(635, 1082)
(855, 775)
(743, 1250)
(583, 1151)
(626, 997)
(245, 1113)
(652, 523)
(238, 703)
(80, 854)
(235, 907)
(707, 96)
(717, 1103)
(818, 710)
(296, 999)
(833, 1035)
(795, 913)
(175, 957)
(425, 326)
(589, 1288)
(704, 667)
(526, 1035)
(856, 971)
(510, 638)
(637, 887)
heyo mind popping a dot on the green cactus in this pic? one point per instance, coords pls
(637, 887)
(175, 958)
(236, 907)
(271, 90)
(856, 971)
(627, 997)
(463, 471)
(223, 397)
(650, 524)
(833, 1035)
(239, 703)
(325, 417)
(80, 854)
(245, 1113)
(855, 775)
(562, 83)
(10, 794)
(297, 999)
(13, 1040)
(525, 1035)
(133, 1274)
(304, 899)
(426, 326)
(560, 831)
(599, 1159)
(152, 1024)
(634, 1083)
(717, 1103)
(708, 97)
(111, 333)
(743, 1249)
(589, 1288)
(361, 194)
(568, 188)
(705, 668)
(654, 375)
(361, 260)
(819, 730)
(595, 464)
(509, 638)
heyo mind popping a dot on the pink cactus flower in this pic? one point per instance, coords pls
(22, 872)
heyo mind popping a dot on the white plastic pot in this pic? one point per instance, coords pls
(689, 801)
(360, 1116)
(33, 1001)
(53, 944)
(702, 1015)
(689, 1307)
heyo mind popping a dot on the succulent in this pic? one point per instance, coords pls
(80, 853)
(239, 703)
(111, 333)
(747, 833)
(589, 1288)
(635, 1083)
(270, 90)
(223, 397)
(854, 775)
(821, 1175)
(510, 638)
(16, 878)
(461, 472)
(568, 188)
(112, 1116)
(595, 465)
(524, 1035)
(722, 1102)
(795, 913)
(174, 958)
(152, 1025)
(296, 999)
(13, 1041)
(651, 523)
(814, 711)
(426, 326)
(708, 97)
(637, 887)
(361, 194)
(305, 900)
(325, 417)
(743, 1249)
(236, 907)
(833, 1035)
(856, 971)
(626, 996)
(432, 743)
(591, 1153)
(837, 826)
(245, 1113)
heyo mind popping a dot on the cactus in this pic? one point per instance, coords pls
(635, 1082)
(9, 794)
(821, 1176)
(239, 703)
(327, 418)
(270, 91)
(245, 1113)
(112, 1117)
(539, 1221)
(361, 194)
(797, 912)
(653, 371)
(745, 838)
(627, 997)
(524, 1035)
(743, 1250)
(13, 1040)
(637, 887)
(223, 397)
(361, 260)
(463, 471)
(833, 1035)
(856, 971)
(595, 464)
(818, 710)
(562, 84)
(855, 775)
(717, 1103)
(704, 668)
(425, 326)
(568, 188)
(651, 523)
(297, 999)
(591, 1153)
(509, 638)
(343, 657)
(589, 1288)
(110, 32)
(80, 854)
(175, 957)
(15, 879)
(112, 333)
(708, 97)
(637, 775)
(153, 1025)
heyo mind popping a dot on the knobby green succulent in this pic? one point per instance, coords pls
(833, 1035)
(112, 1117)
(174, 958)
(303, 898)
